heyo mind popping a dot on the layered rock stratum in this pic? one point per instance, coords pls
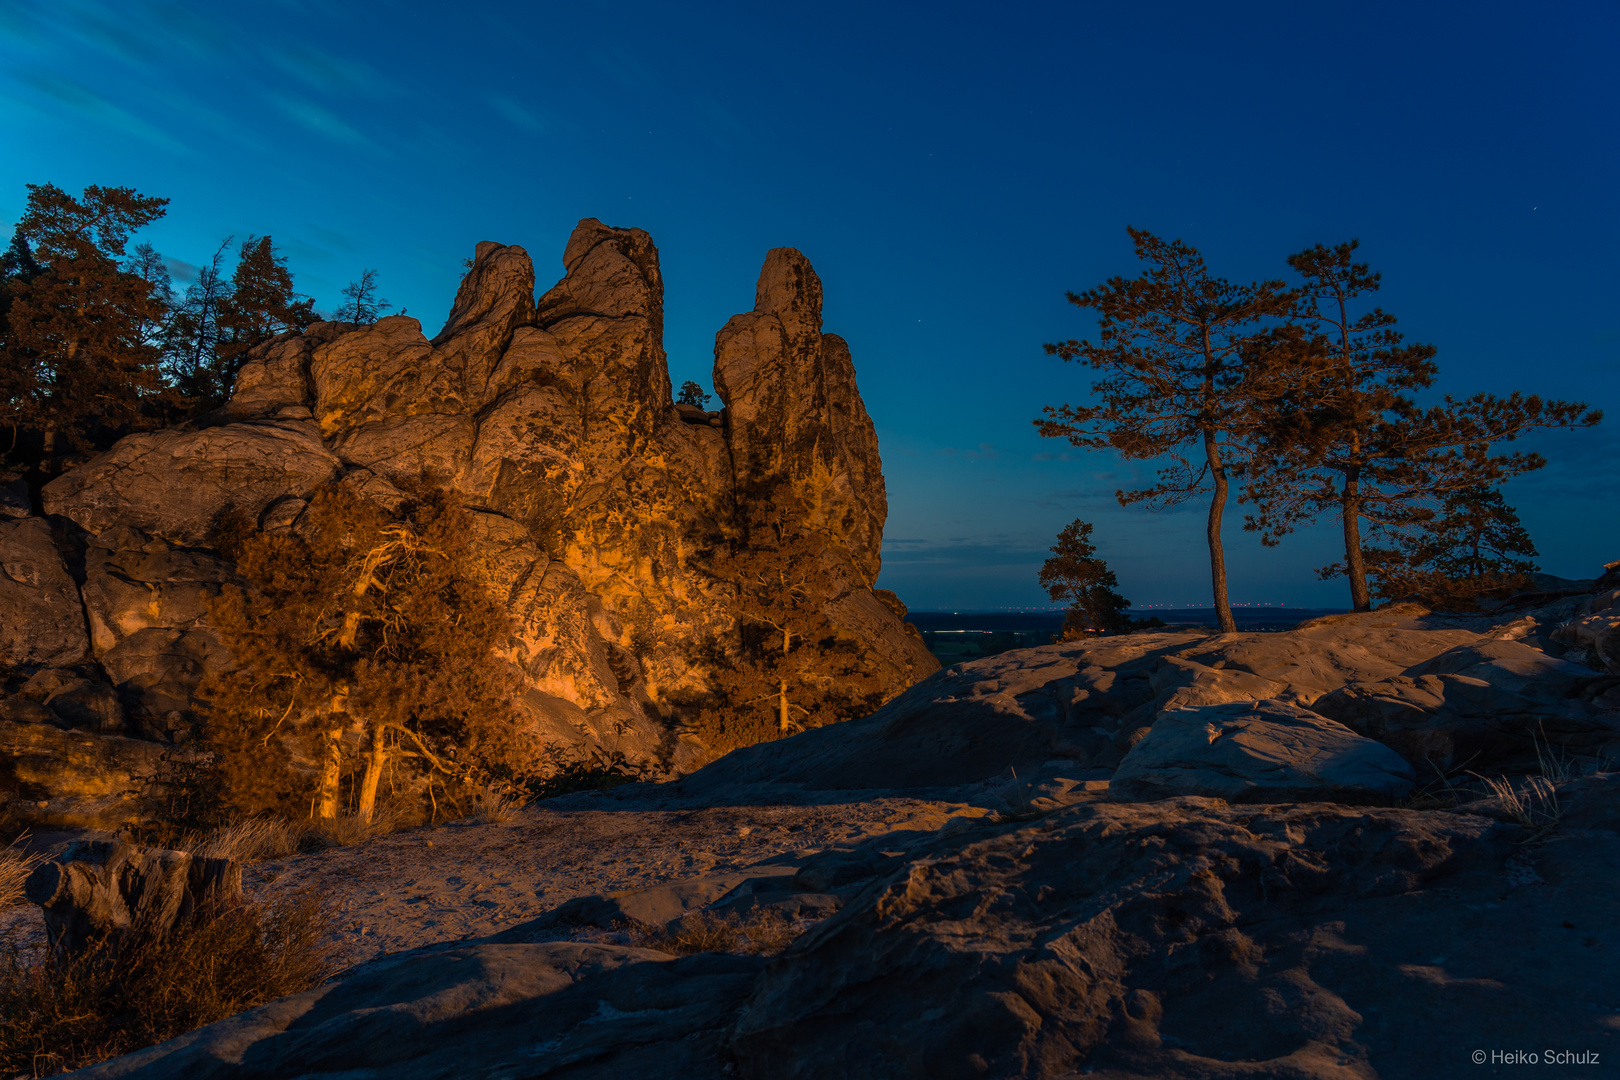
(597, 500)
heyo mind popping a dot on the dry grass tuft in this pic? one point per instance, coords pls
(1534, 803)
(15, 866)
(492, 807)
(123, 996)
(341, 831)
(246, 842)
(764, 932)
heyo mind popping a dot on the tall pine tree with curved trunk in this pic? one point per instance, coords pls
(1184, 359)
(1344, 435)
(76, 360)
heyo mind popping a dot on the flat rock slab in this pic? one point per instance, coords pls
(1260, 751)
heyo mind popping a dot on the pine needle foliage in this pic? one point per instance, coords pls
(77, 365)
(1474, 548)
(364, 646)
(1343, 433)
(789, 668)
(1076, 577)
(1182, 364)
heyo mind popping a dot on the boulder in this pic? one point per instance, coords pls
(1259, 751)
(597, 497)
(177, 483)
(1484, 705)
(41, 618)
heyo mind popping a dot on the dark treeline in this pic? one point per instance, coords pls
(95, 340)
(1302, 396)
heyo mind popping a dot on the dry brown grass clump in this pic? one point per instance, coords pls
(245, 842)
(763, 932)
(15, 866)
(122, 996)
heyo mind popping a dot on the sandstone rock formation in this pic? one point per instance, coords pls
(598, 502)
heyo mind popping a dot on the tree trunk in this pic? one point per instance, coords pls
(1217, 554)
(1355, 564)
(782, 719)
(97, 890)
(331, 772)
(375, 761)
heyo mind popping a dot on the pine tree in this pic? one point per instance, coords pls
(194, 335)
(1344, 435)
(261, 304)
(1184, 360)
(692, 394)
(361, 643)
(1076, 577)
(789, 668)
(149, 266)
(76, 363)
(360, 303)
(1473, 546)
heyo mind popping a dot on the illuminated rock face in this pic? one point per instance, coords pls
(596, 495)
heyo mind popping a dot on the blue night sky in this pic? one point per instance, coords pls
(949, 169)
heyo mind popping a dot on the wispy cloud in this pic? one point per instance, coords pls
(78, 98)
(323, 121)
(519, 116)
(327, 74)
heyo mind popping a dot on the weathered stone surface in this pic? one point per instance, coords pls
(1178, 940)
(1596, 632)
(1083, 705)
(174, 484)
(1484, 705)
(1261, 751)
(134, 582)
(74, 779)
(41, 619)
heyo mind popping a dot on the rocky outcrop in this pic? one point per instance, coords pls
(597, 500)
(1443, 692)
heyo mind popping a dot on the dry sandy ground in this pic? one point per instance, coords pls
(431, 885)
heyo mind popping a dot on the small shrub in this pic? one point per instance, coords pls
(340, 831)
(492, 807)
(764, 932)
(580, 768)
(122, 996)
(1534, 803)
